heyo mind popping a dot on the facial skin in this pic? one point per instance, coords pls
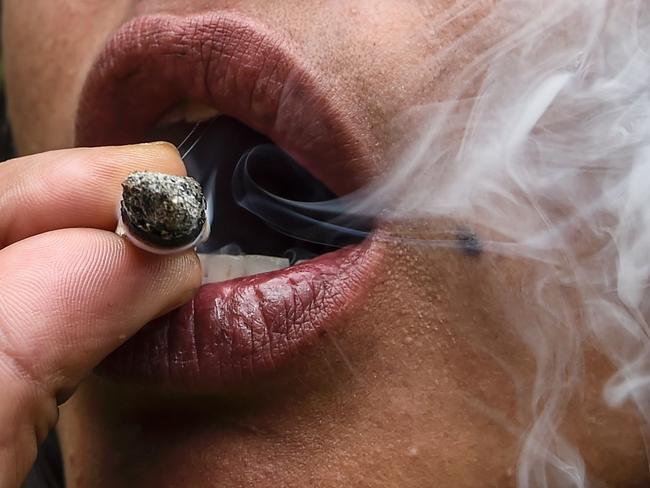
(417, 388)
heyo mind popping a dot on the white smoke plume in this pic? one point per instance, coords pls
(545, 141)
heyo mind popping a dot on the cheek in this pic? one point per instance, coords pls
(391, 57)
(374, 54)
(47, 49)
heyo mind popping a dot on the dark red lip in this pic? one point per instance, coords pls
(233, 64)
(239, 329)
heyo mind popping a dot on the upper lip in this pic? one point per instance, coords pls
(234, 330)
(234, 64)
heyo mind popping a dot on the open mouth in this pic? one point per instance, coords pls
(267, 294)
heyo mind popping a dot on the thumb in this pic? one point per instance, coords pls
(67, 299)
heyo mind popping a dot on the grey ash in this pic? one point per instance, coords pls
(469, 242)
(163, 210)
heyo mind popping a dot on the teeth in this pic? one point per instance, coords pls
(221, 267)
(175, 115)
(192, 113)
(195, 112)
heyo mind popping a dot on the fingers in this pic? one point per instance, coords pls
(68, 298)
(73, 188)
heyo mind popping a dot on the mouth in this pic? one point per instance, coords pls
(266, 297)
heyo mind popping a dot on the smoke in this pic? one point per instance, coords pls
(543, 142)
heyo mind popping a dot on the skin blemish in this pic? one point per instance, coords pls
(469, 242)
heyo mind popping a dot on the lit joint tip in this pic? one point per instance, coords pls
(161, 213)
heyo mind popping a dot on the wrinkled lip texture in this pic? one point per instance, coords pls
(237, 330)
(153, 64)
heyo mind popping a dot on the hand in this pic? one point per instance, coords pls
(71, 291)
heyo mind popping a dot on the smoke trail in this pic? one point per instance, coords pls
(545, 141)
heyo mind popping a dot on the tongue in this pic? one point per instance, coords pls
(211, 153)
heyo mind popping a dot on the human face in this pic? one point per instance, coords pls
(421, 381)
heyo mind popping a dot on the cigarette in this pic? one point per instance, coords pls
(161, 213)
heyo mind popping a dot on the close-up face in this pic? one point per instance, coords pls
(447, 338)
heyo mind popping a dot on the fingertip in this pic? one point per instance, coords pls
(111, 165)
(188, 267)
(176, 278)
(75, 187)
(160, 156)
(88, 287)
(188, 270)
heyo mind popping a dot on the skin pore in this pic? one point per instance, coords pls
(425, 384)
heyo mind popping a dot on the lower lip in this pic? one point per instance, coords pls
(238, 330)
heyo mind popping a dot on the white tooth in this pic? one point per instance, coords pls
(196, 112)
(177, 114)
(222, 267)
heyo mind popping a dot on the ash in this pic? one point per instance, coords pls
(163, 210)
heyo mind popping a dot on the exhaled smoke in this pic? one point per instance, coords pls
(323, 220)
(544, 142)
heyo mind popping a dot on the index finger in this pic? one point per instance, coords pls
(74, 187)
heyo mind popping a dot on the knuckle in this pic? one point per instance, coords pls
(18, 355)
(19, 368)
(29, 412)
